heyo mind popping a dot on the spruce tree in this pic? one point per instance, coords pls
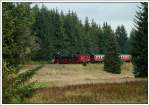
(122, 38)
(17, 46)
(95, 37)
(87, 40)
(139, 42)
(112, 61)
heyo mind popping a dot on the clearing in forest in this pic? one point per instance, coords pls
(73, 74)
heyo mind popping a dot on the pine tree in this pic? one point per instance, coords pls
(105, 35)
(18, 42)
(8, 32)
(44, 30)
(94, 38)
(112, 61)
(59, 32)
(15, 86)
(139, 42)
(73, 32)
(87, 40)
(17, 46)
(122, 38)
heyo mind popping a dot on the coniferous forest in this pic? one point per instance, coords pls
(40, 33)
(37, 34)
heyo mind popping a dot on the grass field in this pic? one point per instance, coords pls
(129, 92)
(75, 83)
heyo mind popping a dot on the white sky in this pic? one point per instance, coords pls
(113, 13)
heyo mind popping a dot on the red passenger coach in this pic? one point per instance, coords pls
(125, 58)
(98, 58)
(84, 58)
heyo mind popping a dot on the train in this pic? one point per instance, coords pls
(92, 58)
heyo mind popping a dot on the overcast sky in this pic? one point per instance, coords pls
(113, 13)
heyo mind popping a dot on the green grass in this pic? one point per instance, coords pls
(128, 92)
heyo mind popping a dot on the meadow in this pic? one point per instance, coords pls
(129, 92)
(75, 83)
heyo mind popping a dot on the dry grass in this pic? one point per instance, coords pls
(129, 92)
(62, 75)
(75, 83)
(28, 67)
